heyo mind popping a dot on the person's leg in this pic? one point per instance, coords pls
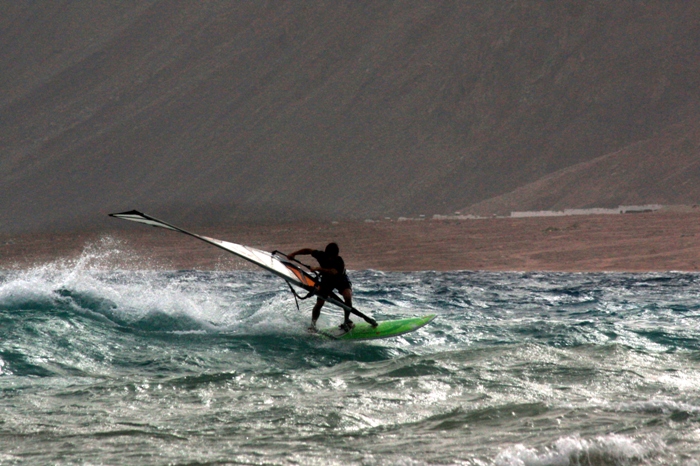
(316, 312)
(347, 297)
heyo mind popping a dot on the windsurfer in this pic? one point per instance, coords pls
(333, 277)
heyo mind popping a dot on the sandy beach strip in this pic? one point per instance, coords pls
(654, 241)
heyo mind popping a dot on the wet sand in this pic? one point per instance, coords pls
(656, 241)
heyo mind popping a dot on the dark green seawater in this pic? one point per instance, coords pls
(102, 366)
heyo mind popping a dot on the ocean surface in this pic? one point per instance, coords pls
(106, 366)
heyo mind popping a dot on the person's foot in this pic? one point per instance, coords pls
(347, 326)
(373, 323)
(312, 328)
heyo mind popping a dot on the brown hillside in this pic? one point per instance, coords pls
(658, 241)
(223, 112)
(662, 170)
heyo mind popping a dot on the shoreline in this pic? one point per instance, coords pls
(641, 242)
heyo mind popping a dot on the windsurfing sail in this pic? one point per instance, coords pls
(274, 262)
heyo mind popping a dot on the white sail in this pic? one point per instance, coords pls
(286, 270)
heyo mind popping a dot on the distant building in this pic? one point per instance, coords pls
(623, 209)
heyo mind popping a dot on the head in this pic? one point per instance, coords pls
(332, 249)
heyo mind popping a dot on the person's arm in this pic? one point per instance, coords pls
(300, 252)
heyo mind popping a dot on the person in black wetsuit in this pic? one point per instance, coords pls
(333, 277)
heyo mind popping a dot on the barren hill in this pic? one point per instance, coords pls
(664, 169)
(224, 112)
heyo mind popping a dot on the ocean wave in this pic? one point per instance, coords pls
(536, 368)
(604, 450)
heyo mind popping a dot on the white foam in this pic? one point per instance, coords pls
(128, 297)
(608, 449)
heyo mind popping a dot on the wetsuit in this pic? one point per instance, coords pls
(330, 282)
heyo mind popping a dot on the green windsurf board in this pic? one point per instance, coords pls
(385, 329)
